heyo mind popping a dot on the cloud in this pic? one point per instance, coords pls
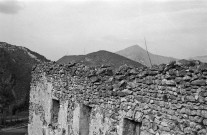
(10, 6)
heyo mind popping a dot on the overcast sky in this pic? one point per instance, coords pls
(52, 28)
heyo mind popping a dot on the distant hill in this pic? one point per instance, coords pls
(100, 58)
(201, 58)
(16, 63)
(140, 55)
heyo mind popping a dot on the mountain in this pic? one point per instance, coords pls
(16, 63)
(100, 58)
(140, 55)
(201, 58)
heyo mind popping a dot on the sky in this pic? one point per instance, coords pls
(54, 28)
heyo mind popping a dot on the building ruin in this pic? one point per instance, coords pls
(75, 99)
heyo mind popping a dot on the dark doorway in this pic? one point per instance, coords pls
(85, 112)
(131, 127)
(55, 110)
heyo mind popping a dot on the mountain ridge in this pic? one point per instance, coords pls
(200, 58)
(99, 58)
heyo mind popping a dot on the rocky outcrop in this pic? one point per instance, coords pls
(163, 100)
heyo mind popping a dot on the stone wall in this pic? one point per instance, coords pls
(162, 100)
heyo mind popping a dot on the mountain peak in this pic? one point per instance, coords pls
(135, 46)
(133, 49)
(140, 55)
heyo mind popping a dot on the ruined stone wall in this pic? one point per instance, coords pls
(163, 100)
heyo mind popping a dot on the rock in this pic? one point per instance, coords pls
(152, 73)
(168, 82)
(105, 71)
(131, 85)
(143, 74)
(182, 110)
(127, 92)
(122, 83)
(191, 98)
(202, 132)
(95, 79)
(172, 72)
(178, 79)
(163, 128)
(138, 116)
(120, 77)
(129, 113)
(203, 67)
(149, 81)
(123, 100)
(186, 78)
(133, 72)
(205, 122)
(111, 79)
(120, 94)
(187, 130)
(199, 82)
(204, 113)
(197, 93)
(171, 83)
(182, 73)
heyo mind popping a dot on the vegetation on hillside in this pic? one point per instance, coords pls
(15, 74)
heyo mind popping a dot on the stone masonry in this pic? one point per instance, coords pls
(74, 99)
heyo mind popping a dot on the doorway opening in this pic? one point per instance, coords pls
(55, 110)
(131, 127)
(85, 113)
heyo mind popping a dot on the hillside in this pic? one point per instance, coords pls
(100, 58)
(201, 58)
(16, 63)
(140, 55)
